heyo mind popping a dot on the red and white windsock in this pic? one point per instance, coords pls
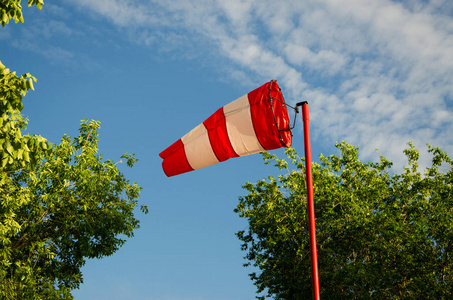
(253, 123)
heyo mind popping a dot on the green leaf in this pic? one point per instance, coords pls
(26, 156)
(20, 153)
(5, 18)
(8, 147)
(4, 161)
(30, 84)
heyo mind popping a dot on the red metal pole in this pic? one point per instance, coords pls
(310, 200)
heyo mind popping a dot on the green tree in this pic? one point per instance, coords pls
(59, 204)
(380, 235)
(70, 206)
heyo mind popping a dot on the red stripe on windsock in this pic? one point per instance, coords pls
(270, 134)
(175, 160)
(218, 136)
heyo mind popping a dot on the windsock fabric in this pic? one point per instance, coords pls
(253, 123)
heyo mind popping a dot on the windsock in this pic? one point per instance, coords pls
(255, 122)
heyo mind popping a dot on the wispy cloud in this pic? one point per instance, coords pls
(121, 12)
(377, 73)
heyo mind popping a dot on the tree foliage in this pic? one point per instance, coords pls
(60, 204)
(380, 235)
(69, 207)
(16, 149)
(12, 9)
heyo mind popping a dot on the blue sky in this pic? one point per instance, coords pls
(376, 73)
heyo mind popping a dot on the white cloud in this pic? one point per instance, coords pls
(121, 12)
(377, 73)
(52, 53)
(53, 28)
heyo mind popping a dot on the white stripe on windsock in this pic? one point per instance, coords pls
(198, 148)
(240, 127)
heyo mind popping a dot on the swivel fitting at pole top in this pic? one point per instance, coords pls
(305, 115)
